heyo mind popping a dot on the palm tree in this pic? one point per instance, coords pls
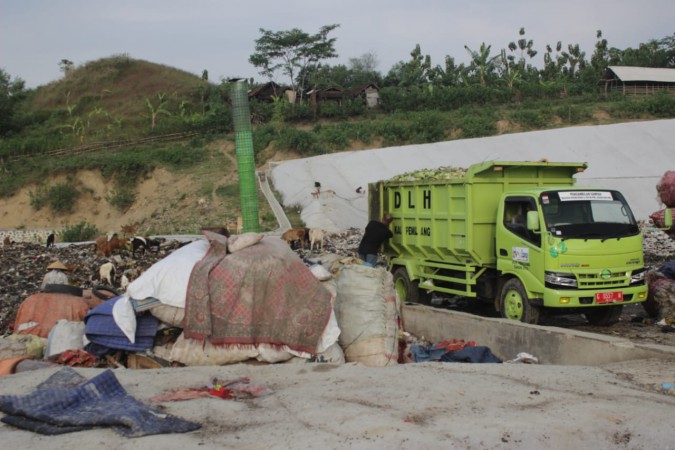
(482, 63)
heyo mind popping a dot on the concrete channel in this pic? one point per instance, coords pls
(507, 338)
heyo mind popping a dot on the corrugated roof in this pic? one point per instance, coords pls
(625, 73)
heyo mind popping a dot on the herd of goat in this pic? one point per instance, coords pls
(105, 246)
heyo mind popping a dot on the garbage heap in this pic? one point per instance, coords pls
(661, 298)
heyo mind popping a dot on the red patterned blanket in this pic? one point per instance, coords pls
(261, 294)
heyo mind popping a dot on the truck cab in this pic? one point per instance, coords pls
(568, 248)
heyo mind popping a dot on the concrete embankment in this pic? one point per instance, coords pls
(33, 235)
(507, 338)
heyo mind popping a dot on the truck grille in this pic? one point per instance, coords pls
(594, 281)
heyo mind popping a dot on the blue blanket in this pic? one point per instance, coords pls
(105, 336)
(469, 354)
(67, 402)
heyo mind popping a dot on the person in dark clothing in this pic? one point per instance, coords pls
(376, 234)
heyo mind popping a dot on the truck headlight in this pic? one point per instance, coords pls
(638, 276)
(561, 279)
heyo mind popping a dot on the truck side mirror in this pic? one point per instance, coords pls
(667, 219)
(532, 221)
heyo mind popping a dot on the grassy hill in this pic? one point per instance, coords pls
(116, 126)
(117, 89)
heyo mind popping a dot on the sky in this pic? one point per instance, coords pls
(219, 35)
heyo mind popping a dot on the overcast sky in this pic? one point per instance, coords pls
(219, 35)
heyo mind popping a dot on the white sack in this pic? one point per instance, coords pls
(367, 314)
(167, 279)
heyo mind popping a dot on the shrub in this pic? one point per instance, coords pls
(121, 198)
(531, 118)
(83, 231)
(428, 126)
(661, 104)
(574, 114)
(228, 190)
(303, 142)
(60, 197)
(474, 125)
(38, 198)
(334, 137)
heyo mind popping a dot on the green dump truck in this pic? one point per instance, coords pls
(520, 235)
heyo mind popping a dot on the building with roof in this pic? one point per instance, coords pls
(638, 80)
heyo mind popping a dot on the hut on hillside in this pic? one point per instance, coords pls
(369, 91)
(638, 80)
(266, 92)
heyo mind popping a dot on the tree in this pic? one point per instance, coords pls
(512, 69)
(155, 111)
(11, 93)
(364, 69)
(482, 64)
(416, 72)
(655, 53)
(294, 52)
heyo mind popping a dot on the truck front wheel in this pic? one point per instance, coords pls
(604, 315)
(408, 291)
(515, 305)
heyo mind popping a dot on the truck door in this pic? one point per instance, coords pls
(519, 249)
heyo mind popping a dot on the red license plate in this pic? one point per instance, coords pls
(608, 297)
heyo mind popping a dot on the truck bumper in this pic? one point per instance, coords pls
(587, 298)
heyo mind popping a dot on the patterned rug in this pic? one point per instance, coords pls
(263, 294)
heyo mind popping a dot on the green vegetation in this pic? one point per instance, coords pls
(122, 198)
(60, 197)
(80, 232)
(125, 118)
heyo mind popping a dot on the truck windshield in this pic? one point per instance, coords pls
(587, 214)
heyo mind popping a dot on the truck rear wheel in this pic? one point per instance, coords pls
(409, 291)
(604, 315)
(515, 305)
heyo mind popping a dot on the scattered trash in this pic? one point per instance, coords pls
(524, 358)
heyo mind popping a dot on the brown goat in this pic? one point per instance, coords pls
(106, 245)
(296, 236)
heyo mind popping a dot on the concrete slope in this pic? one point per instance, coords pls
(630, 157)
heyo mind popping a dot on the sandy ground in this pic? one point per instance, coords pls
(424, 405)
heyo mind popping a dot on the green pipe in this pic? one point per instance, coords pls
(248, 188)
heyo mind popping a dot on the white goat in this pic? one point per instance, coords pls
(124, 282)
(107, 273)
(316, 235)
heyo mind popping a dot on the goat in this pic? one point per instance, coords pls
(315, 194)
(129, 230)
(50, 240)
(144, 244)
(124, 282)
(106, 245)
(316, 235)
(107, 273)
(296, 236)
(330, 192)
(203, 204)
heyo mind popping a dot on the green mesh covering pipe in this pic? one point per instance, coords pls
(248, 188)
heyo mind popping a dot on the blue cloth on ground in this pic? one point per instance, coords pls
(470, 354)
(104, 334)
(424, 353)
(68, 402)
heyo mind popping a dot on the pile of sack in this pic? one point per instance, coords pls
(215, 301)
